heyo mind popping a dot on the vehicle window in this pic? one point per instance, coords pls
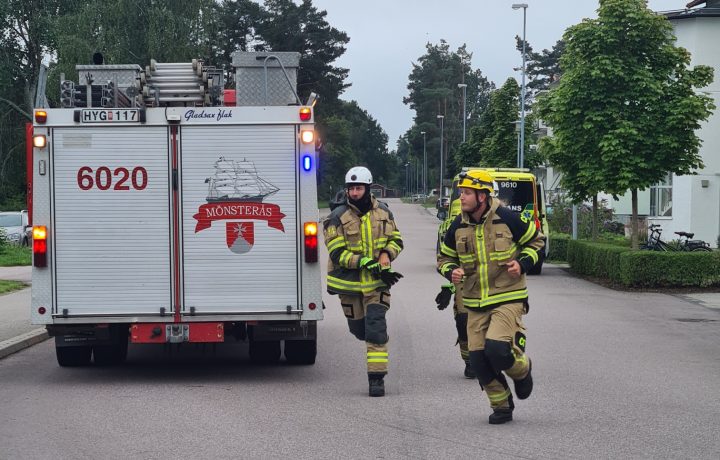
(11, 220)
(516, 195)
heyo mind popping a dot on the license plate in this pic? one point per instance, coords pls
(109, 116)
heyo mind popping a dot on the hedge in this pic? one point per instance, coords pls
(558, 246)
(637, 268)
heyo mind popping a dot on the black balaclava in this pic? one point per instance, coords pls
(364, 204)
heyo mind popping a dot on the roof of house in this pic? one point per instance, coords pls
(711, 9)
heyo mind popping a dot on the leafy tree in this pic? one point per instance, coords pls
(434, 91)
(493, 141)
(541, 69)
(626, 109)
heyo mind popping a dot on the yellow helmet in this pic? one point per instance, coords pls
(479, 180)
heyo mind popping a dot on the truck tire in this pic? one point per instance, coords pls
(109, 355)
(73, 356)
(301, 351)
(536, 270)
(265, 352)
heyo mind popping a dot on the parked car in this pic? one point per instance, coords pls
(443, 204)
(14, 225)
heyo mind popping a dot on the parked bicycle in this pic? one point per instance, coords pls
(684, 244)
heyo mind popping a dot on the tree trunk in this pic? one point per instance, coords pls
(634, 221)
(594, 218)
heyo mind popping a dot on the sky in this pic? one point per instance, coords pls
(387, 36)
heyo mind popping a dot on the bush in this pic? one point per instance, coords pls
(558, 247)
(632, 268)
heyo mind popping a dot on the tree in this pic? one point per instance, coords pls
(541, 69)
(493, 142)
(627, 107)
(433, 85)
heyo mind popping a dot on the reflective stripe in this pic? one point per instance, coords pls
(529, 233)
(504, 254)
(367, 239)
(448, 251)
(380, 243)
(491, 300)
(482, 261)
(394, 246)
(466, 257)
(377, 360)
(447, 267)
(377, 357)
(396, 234)
(377, 353)
(335, 243)
(500, 397)
(531, 253)
(345, 258)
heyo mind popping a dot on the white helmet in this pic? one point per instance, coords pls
(358, 175)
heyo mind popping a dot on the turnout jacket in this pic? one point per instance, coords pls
(349, 237)
(483, 251)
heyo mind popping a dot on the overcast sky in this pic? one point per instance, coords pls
(387, 36)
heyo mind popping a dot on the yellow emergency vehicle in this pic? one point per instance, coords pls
(517, 189)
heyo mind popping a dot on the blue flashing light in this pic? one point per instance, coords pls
(307, 163)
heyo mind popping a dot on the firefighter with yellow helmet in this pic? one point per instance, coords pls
(362, 240)
(489, 248)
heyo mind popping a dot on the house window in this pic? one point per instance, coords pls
(661, 198)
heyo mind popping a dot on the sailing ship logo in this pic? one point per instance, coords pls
(237, 181)
(235, 192)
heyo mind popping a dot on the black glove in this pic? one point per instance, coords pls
(389, 277)
(371, 265)
(443, 298)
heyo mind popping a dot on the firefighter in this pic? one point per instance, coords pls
(362, 240)
(490, 248)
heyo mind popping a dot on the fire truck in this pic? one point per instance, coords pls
(167, 209)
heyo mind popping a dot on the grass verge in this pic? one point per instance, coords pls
(9, 286)
(11, 256)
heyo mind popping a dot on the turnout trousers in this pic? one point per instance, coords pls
(366, 320)
(496, 340)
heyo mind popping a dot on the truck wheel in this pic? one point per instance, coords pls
(301, 351)
(536, 270)
(73, 356)
(108, 355)
(266, 352)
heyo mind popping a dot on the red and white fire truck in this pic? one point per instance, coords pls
(167, 209)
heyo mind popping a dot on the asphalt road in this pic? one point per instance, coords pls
(617, 375)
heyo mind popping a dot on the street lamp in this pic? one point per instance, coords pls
(517, 6)
(424, 174)
(464, 88)
(407, 184)
(442, 160)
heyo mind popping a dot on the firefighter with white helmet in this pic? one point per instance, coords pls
(490, 249)
(362, 240)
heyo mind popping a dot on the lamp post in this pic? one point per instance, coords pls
(464, 88)
(442, 159)
(517, 6)
(424, 174)
(407, 184)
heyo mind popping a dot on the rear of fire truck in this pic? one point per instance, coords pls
(168, 209)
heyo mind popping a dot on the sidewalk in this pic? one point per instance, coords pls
(16, 332)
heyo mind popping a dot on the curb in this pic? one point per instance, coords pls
(21, 342)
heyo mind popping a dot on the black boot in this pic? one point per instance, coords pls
(377, 384)
(524, 386)
(502, 415)
(469, 372)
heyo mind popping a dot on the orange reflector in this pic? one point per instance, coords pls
(308, 137)
(39, 232)
(311, 228)
(39, 141)
(305, 113)
(40, 116)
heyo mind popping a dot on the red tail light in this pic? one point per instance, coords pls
(40, 246)
(311, 242)
(305, 113)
